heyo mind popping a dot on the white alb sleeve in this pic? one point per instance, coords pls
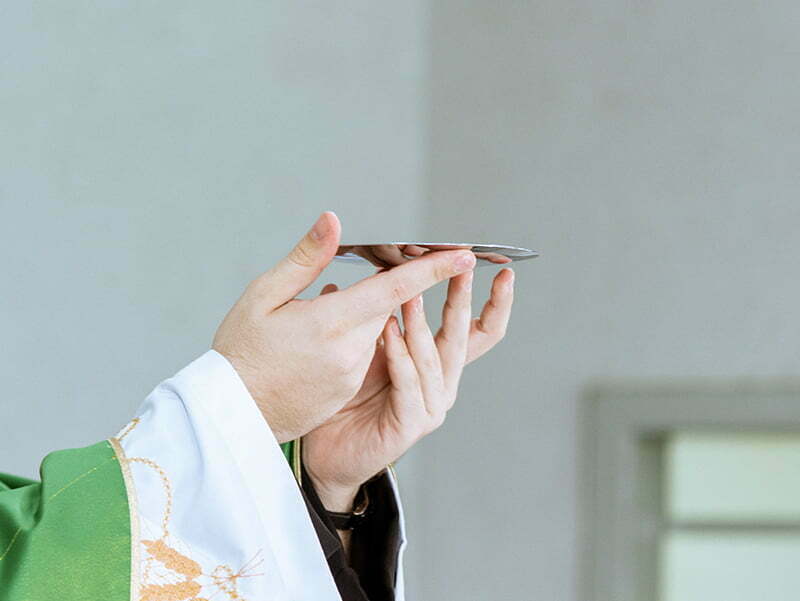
(216, 511)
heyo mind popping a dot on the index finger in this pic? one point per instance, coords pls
(380, 294)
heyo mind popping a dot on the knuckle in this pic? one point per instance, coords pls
(302, 256)
(443, 270)
(399, 291)
(449, 305)
(456, 306)
(332, 330)
(481, 327)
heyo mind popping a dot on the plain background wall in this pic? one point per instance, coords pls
(153, 159)
(650, 151)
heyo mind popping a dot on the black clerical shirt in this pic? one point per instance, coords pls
(371, 572)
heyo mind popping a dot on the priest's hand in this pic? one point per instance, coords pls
(302, 360)
(411, 384)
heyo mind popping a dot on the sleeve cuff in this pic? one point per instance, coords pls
(212, 384)
(215, 395)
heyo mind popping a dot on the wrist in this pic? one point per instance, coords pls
(249, 377)
(336, 498)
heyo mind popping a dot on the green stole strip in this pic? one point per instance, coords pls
(288, 450)
(68, 537)
(291, 450)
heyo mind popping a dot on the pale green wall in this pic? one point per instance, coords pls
(650, 151)
(154, 156)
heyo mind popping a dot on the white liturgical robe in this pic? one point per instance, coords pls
(216, 511)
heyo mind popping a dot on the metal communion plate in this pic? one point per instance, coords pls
(388, 254)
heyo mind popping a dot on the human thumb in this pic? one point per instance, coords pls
(295, 272)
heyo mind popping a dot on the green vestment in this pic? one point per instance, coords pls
(68, 537)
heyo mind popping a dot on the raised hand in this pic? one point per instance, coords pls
(411, 384)
(302, 360)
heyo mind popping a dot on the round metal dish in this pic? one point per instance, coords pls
(389, 254)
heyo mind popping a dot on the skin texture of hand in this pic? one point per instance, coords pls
(302, 360)
(411, 384)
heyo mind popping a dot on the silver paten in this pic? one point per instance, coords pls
(389, 254)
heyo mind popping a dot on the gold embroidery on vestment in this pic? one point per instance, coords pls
(183, 570)
(127, 430)
(167, 490)
(133, 510)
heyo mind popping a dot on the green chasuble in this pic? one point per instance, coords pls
(68, 537)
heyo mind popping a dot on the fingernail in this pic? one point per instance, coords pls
(394, 327)
(321, 228)
(418, 304)
(465, 261)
